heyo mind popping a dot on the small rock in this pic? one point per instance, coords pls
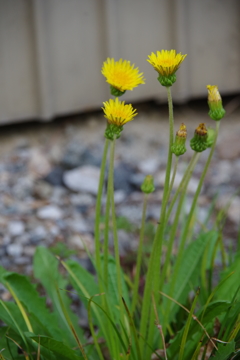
(29, 250)
(38, 163)
(81, 242)
(14, 250)
(16, 228)
(50, 212)
(38, 234)
(55, 177)
(83, 179)
(22, 260)
(42, 190)
(233, 211)
(149, 166)
(122, 176)
(78, 225)
(82, 199)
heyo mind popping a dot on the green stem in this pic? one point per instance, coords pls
(173, 177)
(199, 188)
(189, 219)
(187, 177)
(98, 209)
(114, 225)
(152, 279)
(188, 171)
(106, 231)
(139, 255)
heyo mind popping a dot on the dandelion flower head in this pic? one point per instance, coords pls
(166, 62)
(117, 112)
(121, 74)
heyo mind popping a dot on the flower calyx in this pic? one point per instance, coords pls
(178, 148)
(199, 141)
(148, 185)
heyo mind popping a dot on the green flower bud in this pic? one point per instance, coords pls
(148, 185)
(167, 80)
(116, 92)
(199, 142)
(216, 111)
(113, 131)
(211, 137)
(178, 148)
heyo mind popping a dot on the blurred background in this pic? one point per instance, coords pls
(52, 51)
(52, 127)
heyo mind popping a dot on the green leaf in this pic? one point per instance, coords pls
(188, 274)
(57, 347)
(112, 291)
(34, 305)
(228, 289)
(214, 309)
(224, 351)
(46, 270)
(10, 349)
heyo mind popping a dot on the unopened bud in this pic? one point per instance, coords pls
(148, 185)
(216, 111)
(199, 141)
(178, 148)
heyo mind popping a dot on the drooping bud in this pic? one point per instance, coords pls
(199, 141)
(216, 111)
(178, 148)
(148, 185)
(211, 136)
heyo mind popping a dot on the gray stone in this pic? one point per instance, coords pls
(55, 177)
(42, 190)
(14, 250)
(22, 260)
(82, 179)
(38, 234)
(82, 199)
(50, 212)
(149, 166)
(16, 228)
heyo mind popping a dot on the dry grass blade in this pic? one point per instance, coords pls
(193, 316)
(159, 328)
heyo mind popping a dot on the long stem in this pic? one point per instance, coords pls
(106, 231)
(139, 255)
(187, 177)
(173, 176)
(98, 209)
(189, 219)
(199, 188)
(152, 279)
(114, 224)
(188, 171)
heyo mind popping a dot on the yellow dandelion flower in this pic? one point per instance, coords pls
(216, 111)
(121, 75)
(117, 112)
(166, 63)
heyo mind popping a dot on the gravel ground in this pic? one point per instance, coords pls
(49, 174)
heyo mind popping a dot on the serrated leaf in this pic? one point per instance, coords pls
(213, 310)
(57, 347)
(46, 270)
(224, 351)
(34, 305)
